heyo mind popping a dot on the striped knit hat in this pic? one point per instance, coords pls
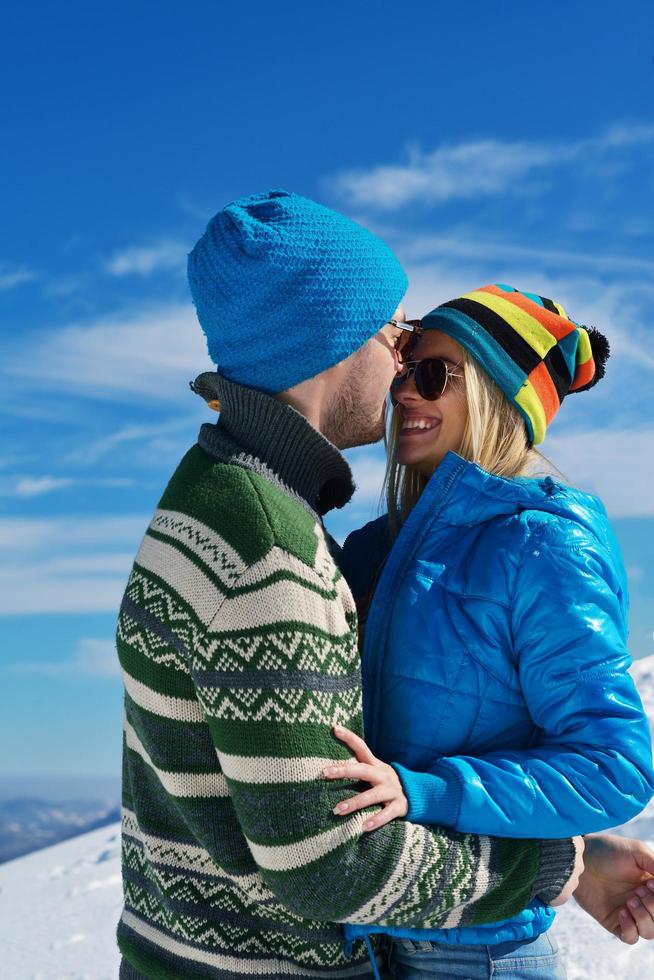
(528, 345)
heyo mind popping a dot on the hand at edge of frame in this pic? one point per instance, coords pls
(617, 886)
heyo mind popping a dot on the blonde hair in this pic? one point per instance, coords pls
(495, 437)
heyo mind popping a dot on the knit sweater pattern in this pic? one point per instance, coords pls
(237, 637)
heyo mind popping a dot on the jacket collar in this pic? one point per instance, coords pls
(265, 435)
(465, 495)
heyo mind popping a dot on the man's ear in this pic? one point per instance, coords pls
(214, 404)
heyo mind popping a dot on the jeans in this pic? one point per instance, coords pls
(532, 959)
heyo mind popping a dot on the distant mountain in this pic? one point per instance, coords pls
(58, 787)
(28, 824)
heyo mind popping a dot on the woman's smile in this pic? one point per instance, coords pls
(413, 425)
(430, 428)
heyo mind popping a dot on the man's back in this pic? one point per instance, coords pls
(192, 887)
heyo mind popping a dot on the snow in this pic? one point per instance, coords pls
(59, 907)
(590, 952)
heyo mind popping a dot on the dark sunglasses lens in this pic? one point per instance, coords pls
(404, 343)
(431, 378)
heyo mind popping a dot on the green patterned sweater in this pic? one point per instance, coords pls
(237, 637)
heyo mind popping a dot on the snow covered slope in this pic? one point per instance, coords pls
(59, 907)
(590, 952)
(58, 910)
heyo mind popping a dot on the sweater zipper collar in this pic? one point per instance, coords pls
(261, 433)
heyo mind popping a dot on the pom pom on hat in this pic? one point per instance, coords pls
(601, 351)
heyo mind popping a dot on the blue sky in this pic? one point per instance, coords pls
(503, 142)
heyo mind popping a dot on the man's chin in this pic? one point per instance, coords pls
(366, 437)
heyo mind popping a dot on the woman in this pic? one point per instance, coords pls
(494, 663)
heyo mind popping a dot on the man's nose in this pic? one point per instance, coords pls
(399, 359)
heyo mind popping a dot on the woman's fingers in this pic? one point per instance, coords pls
(371, 797)
(384, 816)
(352, 770)
(358, 746)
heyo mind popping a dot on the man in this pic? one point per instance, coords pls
(237, 637)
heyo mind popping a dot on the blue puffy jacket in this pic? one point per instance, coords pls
(495, 665)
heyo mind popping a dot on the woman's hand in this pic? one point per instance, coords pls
(573, 880)
(387, 789)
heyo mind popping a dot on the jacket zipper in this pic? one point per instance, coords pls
(379, 613)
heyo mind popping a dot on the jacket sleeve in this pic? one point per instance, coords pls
(592, 767)
(276, 669)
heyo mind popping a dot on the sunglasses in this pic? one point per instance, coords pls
(430, 376)
(411, 330)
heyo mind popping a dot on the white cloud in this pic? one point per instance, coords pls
(478, 168)
(474, 247)
(93, 657)
(26, 487)
(121, 357)
(98, 657)
(66, 285)
(143, 260)
(32, 591)
(103, 563)
(165, 438)
(66, 564)
(47, 535)
(619, 135)
(10, 278)
(16, 459)
(618, 466)
(35, 486)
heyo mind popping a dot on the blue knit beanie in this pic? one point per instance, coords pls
(285, 288)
